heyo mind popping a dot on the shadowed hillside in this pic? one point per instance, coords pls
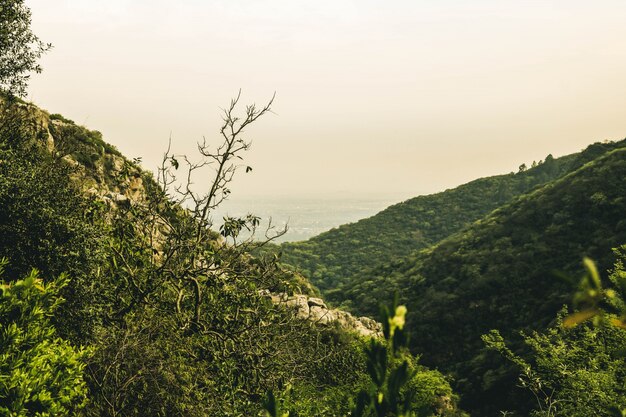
(499, 274)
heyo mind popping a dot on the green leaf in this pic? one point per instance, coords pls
(591, 268)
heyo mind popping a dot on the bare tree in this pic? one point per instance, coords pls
(188, 254)
(189, 309)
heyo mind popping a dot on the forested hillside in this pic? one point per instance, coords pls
(121, 297)
(139, 327)
(335, 258)
(500, 273)
(135, 336)
(138, 307)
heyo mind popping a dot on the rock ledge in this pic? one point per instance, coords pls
(315, 310)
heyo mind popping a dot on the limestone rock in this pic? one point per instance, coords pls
(321, 315)
(315, 310)
(135, 188)
(116, 199)
(50, 142)
(117, 163)
(317, 302)
(300, 303)
(70, 161)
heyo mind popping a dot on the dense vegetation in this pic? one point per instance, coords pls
(42, 374)
(500, 274)
(337, 257)
(570, 372)
(171, 313)
(155, 348)
(577, 366)
(118, 298)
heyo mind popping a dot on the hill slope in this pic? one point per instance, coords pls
(499, 274)
(177, 321)
(336, 257)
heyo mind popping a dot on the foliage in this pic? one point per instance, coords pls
(598, 302)
(399, 386)
(85, 146)
(604, 306)
(395, 385)
(187, 328)
(41, 374)
(330, 399)
(388, 370)
(157, 349)
(498, 273)
(571, 372)
(45, 221)
(20, 48)
(40, 209)
(177, 313)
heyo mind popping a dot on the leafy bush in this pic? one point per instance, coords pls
(20, 48)
(394, 385)
(571, 372)
(40, 373)
(45, 221)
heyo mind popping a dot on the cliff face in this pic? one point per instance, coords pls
(99, 168)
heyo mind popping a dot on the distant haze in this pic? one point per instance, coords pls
(374, 98)
(304, 217)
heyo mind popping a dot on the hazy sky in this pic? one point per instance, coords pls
(373, 97)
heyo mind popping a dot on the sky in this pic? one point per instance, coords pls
(388, 99)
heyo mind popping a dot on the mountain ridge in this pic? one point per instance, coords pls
(335, 258)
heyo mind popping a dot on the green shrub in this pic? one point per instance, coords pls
(40, 373)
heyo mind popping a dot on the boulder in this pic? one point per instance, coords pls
(299, 302)
(315, 310)
(71, 161)
(321, 315)
(135, 188)
(317, 302)
(371, 324)
(117, 197)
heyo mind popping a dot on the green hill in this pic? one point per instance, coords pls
(335, 258)
(499, 274)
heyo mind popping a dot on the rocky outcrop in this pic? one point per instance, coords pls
(101, 172)
(316, 310)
